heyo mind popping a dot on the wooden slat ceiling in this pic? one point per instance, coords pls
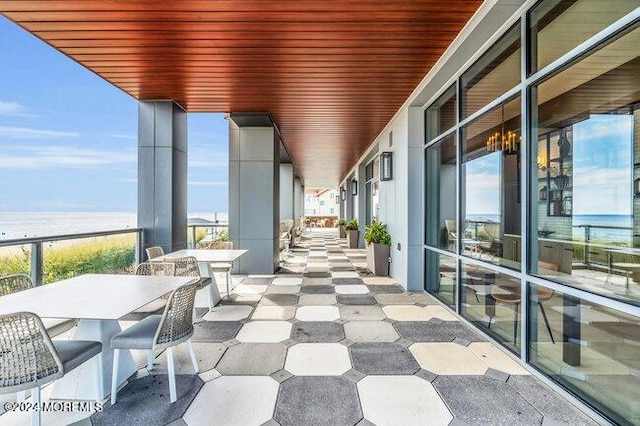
(331, 72)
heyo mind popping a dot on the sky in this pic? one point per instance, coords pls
(68, 139)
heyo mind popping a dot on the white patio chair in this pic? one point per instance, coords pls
(18, 282)
(220, 266)
(30, 359)
(157, 332)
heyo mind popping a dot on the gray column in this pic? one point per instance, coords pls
(349, 201)
(415, 208)
(286, 191)
(162, 174)
(254, 205)
(298, 198)
(360, 200)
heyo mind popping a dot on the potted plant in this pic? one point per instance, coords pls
(341, 230)
(378, 243)
(352, 233)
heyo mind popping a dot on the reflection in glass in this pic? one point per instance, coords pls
(440, 279)
(441, 194)
(497, 71)
(585, 218)
(491, 301)
(441, 115)
(558, 26)
(596, 352)
(490, 192)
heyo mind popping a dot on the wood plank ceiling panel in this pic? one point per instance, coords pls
(331, 72)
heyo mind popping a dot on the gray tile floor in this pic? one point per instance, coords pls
(325, 343)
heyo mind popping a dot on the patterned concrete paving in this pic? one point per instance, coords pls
(325, 343)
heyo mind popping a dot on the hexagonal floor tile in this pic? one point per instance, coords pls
(318, 359)
(215, 331)
(496, 359)
(207, 355)
(228, 313)
(253, 359)
(352, 289)
(146, 401)
(356, 299)
(401, 400)
(347, 281)
(394, 299)
(482, 400)
(279, 300)
(382, 358)
(439, 312)
(265, 332)
(345, 274)
(317, 299)
(406, 313)
(283, 289)
(273, 313)
(287, 281)
(424, 331)
(317, 332)
(447, 358)
(322, 401)
(318, 313)
(234, 400)
(250, 289)
(318, 289)
(379, 280)
(370, 331)
(362, 313)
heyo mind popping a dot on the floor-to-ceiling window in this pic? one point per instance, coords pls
(533, 223)
(372, 187)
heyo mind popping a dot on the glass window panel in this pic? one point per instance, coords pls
(558, 26)
(441, 194)
(441, 115)
(376, 167)
(591, 350)
(490, 192)
(586, 144)
(441, 279)
(491, 301)
(497, 71)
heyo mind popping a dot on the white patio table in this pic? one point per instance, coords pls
(207, 259)
(98, 301)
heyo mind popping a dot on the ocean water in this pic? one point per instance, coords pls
(21, 225)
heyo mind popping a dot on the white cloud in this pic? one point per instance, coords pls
(207, 157)
(122, 136)
(12, 108)
(602, 190)
(34, 157)
(207, 183)
(9, 132)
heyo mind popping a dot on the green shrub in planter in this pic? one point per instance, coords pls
(352, 233)
(341, 231)
(378, 248)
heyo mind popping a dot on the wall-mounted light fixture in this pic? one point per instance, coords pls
(354, 187)
(343, 193)
(386, 165)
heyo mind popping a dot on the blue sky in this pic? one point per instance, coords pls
(68, 139)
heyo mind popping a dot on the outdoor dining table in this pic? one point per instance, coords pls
(207, 258)
(98, 301)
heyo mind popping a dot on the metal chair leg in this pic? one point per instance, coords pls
(114, 375)
(192, 353)
(172, 376)
(546, 322)
(36, 417)
(150, 358)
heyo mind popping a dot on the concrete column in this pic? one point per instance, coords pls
(254, 200)
(343, 208)
(298, 198)
(349, 201)
(162, 174)
(415, 208)
(286, 191)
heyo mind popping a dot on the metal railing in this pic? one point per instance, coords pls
(212, 230)
(36, 253)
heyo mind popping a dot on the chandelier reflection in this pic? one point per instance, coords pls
(508, 142)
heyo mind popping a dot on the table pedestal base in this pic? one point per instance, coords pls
(80, 384)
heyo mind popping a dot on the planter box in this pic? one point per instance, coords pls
(352, 238)
(378, 258)
(341, 231)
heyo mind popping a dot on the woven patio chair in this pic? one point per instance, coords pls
(30, 359)
(155, 251)
(220, 266)
(157, 332)
(188, 267)
(19, 282)
(164, 269)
